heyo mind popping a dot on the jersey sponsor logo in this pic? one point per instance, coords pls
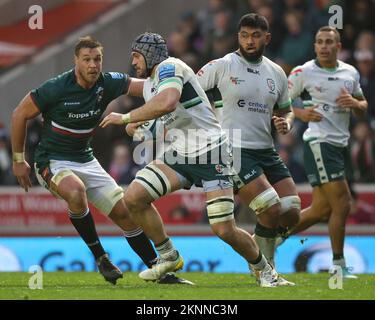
(271, 85)
(116, 75)
(75, 103)
(89, 114)
(333, 78)
(296, 72)
(254, 106)
(253, 71)
(236, 80)
(167, 71)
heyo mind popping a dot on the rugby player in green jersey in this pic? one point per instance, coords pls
(71, 105)
(334, 92)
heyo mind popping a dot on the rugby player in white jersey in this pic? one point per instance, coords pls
(198, 155)
(254, 92)
(334, 92)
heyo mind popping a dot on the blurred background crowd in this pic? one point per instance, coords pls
(211, 33)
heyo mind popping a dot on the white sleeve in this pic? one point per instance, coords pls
(283, 100)
(210, 74)
(295, 82)
(170, 75)
(357, 90)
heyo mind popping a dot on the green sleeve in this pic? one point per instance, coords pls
(45, 95)
(117, 83)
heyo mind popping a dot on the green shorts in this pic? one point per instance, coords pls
(213, 166)
(324, 162)
(256, 162)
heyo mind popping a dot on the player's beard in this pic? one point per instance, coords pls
(141, 73)
(251, 57)
(87, 78)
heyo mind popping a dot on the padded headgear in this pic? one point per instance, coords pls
(153, 48)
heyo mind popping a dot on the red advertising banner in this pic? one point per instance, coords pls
(39, 213)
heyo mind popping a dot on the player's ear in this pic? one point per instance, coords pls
(339, 46)
(268, 38)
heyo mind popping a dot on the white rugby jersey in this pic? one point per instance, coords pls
(249, 92)
(324, 87)
(192, 127)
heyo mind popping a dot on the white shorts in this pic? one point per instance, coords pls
(101, 189)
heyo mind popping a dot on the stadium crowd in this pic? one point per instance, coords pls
(211, 33)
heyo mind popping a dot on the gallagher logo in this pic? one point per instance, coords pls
(236, 80)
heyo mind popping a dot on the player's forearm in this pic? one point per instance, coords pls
(18, 132)
(289, 117)
(161, 104)
(298, 113)
(361, 108)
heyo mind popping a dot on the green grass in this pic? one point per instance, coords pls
(209, 286)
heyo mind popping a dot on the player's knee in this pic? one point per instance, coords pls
(76, 197)
(290, 203)
(266, 203)
(290, 218)
(132, 200)
(120, 215)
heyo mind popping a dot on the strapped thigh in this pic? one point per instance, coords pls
(154, 181)
(220, 209)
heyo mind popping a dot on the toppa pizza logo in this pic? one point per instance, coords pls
(271, 84)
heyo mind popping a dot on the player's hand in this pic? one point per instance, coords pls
(282, 126)
(346, 100)
(309, 114)
(22, 171)
(131, 128)
(112, 118)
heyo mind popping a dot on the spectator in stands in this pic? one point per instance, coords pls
(122, 168)
(297, 45)
(277, 31)
(222, 31)
(363, 152)
(296, 170)
(6, 177)
(365, 61)
(180, 47)
(189, 27)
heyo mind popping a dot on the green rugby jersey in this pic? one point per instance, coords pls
(71, 113)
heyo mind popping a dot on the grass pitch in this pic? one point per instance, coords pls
(209, 286)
